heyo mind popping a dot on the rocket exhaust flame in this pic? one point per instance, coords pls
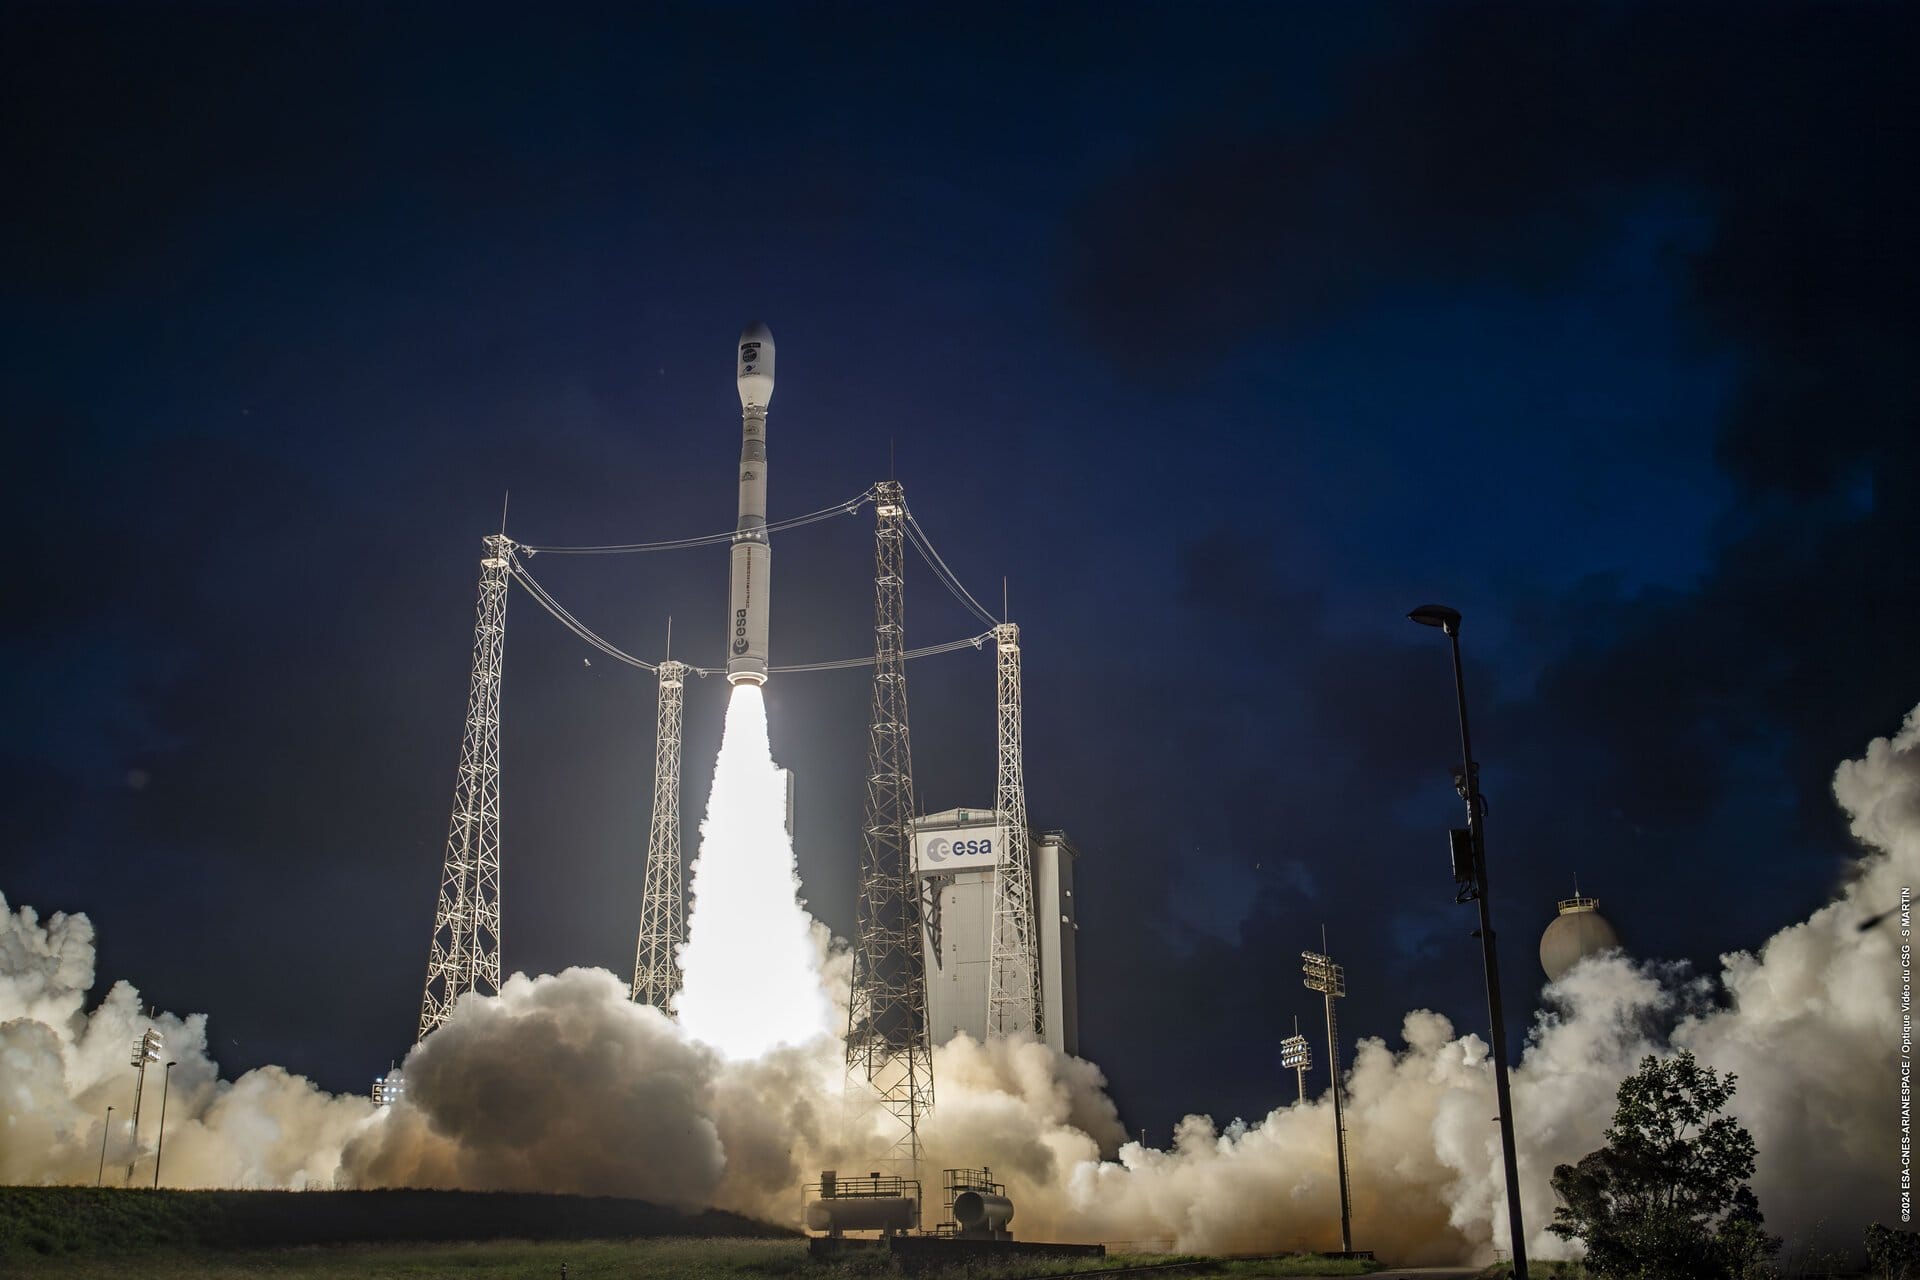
(752, 974)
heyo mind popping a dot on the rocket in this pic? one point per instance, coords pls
(751, 576)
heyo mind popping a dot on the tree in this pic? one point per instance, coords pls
(1667, 1197)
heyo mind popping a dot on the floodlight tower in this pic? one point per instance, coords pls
(1330, 980)
(1296, 1055)
(465, 955)
(1013, 982)
(146, 1049)
(656, 967)
(887, 1046)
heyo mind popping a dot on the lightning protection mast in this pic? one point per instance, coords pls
(1013, 992)
(656, 967)
(466, 928)
(1330, 980)
(887, 1046)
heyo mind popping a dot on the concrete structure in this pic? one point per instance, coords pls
(954, 853)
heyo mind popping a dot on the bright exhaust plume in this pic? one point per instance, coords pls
(751, 969)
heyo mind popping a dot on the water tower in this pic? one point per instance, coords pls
(1577, 932)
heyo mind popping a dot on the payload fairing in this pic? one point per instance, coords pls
(751, 577)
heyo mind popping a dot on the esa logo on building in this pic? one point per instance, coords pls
(940, 850)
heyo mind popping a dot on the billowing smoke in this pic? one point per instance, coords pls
(62, 1066)
(562, 1083)
(751, 980)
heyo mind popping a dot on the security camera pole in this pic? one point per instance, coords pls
(1470, 873)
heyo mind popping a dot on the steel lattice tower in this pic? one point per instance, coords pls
(466, 928)
(887, 1043)
(1013, 983)
(656, 968)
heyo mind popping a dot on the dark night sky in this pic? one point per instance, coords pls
(1228, 334)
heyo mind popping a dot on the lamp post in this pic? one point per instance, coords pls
(1470, 872)
(1330, 980)
(166, 1087)
(1297, 1057)
(98, 1177)
(145, 1050)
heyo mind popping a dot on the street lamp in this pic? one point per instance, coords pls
(103, 1148)
(1470, 873)
(166, 1087)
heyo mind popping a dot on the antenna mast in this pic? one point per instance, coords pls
(465, 955)
(887, 1043)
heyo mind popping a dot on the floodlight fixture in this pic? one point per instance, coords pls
(1295, 1053)
(1323, 975)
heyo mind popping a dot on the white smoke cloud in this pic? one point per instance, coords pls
(62, 1066)
(562, 1083)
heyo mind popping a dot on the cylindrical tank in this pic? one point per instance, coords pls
(1577, 932)
(982, 1213)
(835, 1214)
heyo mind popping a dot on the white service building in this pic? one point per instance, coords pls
(954, 853)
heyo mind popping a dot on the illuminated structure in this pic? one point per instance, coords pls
(887, 1045)
(663, 928)
(145, 1050)
(1578, 931)
(957, 854)
(1296, 1055)
(465, 955)
(1330, 980)
(1014, 1004)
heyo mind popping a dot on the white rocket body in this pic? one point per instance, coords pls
(751, 578)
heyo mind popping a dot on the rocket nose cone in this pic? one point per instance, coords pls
(754, 371)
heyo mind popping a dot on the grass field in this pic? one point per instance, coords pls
(385, 1235)
(594, 1260)
(38, 1223)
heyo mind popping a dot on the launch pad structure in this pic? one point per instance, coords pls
(888, 1047)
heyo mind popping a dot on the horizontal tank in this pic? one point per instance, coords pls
(981, 1213)
(834, 1214)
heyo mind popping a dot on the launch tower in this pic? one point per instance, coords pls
(1013, 993)
(465, 955)
(887, 1044)
(656, 966)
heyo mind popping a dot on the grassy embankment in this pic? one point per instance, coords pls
(82, 1232)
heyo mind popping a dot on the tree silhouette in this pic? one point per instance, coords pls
(1667, 1197)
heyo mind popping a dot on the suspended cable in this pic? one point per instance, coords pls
(566, 619)
(845, 664)
(847, 508)
(571, 623)
(924, 545)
